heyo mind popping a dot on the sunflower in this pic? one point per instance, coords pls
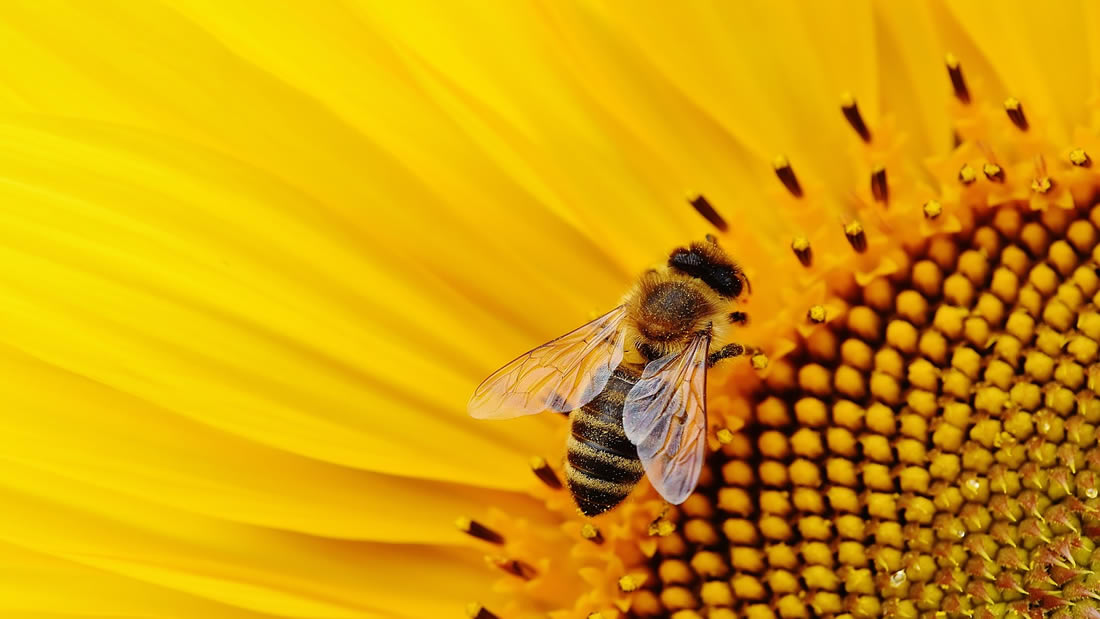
(256, 258)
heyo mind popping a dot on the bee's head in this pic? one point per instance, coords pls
(708, 262)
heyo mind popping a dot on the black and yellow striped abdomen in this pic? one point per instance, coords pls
(601, 464)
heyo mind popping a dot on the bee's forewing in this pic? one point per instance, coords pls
(560, 375)
(665, 416)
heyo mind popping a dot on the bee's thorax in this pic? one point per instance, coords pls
(668, 309)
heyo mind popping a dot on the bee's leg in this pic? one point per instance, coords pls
(725, 352)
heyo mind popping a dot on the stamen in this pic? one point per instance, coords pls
(932, 209)
(816, 314)
(662, 527)
(703, 206)
(801, 247)
(855, 119)
(967, 174)
(514, 567)
(786, 175)
(725, 436)
(1080, 158)
(993, 172)
(856, 237)
(759, 361)
(958, 84)
(545, 474)
(591, 533)
(477, 611)
(1042, 185)
(879, 189)
(631, 582)
(474, 528)
(1016, 113)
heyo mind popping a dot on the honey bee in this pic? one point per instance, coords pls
(634, 379)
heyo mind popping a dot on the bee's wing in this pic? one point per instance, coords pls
(665, 416)
(561, 375)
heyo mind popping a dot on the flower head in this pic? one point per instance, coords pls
(253, 268)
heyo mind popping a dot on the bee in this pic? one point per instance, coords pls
(634, 380)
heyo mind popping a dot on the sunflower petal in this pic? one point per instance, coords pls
(252, 568)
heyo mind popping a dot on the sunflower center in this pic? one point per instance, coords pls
(933, 450)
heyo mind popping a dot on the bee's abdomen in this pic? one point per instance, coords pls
(601, 464)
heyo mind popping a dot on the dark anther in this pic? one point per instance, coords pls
(786, 176)
(879, 189)
(856, 236)
(738, 318)
(591, 533)
(851, 112)
(1080, 158)
(705, 209)
(515, 567)
(477, 611)
(474, 528)
(802, 250)
(1015, 113)
(994, 172)
(958, 83)
(545, 474)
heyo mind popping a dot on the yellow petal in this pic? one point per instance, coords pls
(1039, 52)
(38, 586)
(754, 68)
(911, 69)
(256, 334)
(81, 430)
(254, 568)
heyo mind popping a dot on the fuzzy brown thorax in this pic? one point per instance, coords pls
(693, 293)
